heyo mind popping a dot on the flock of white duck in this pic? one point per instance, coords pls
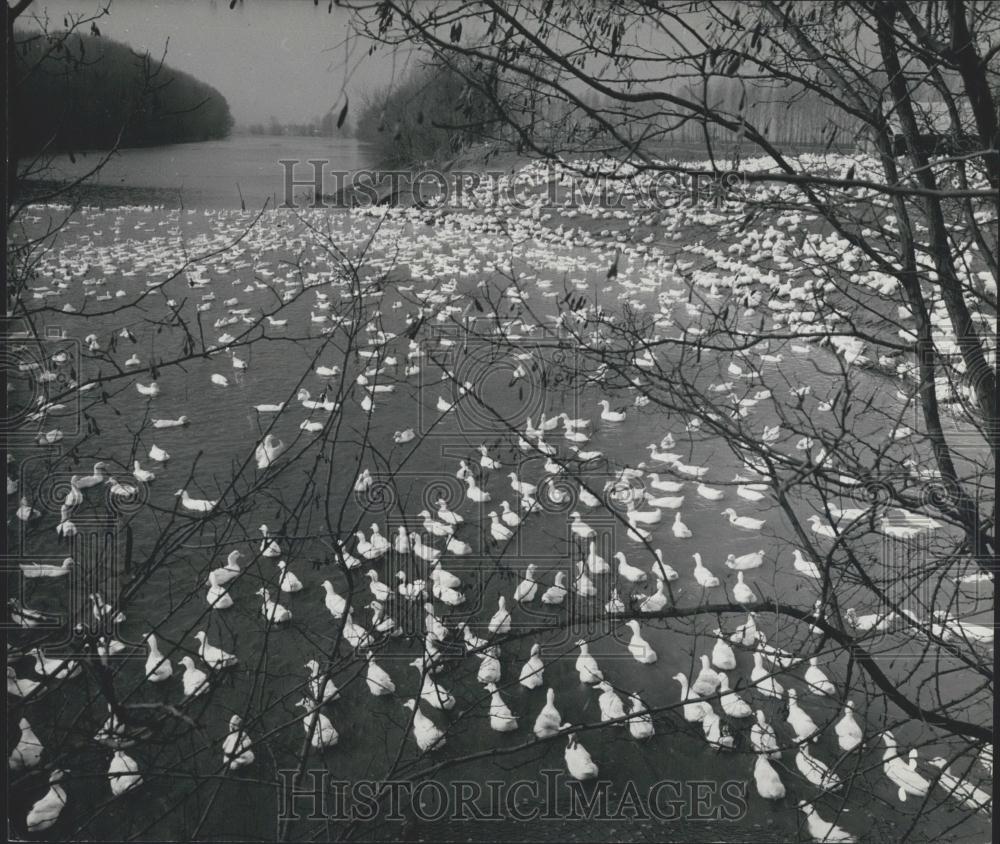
(644, 494)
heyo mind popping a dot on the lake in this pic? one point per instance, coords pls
(211, 174)
(282, 264)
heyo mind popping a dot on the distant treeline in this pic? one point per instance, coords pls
(84, 91)
(324, 126)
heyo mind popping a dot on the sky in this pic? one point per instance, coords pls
(285, 58)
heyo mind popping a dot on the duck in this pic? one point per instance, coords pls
(579, 763)
(709, 493)
(816, 772)
(614, 605)
(499, 624)
(502, 720)
(158, 667)
(27, 753)
(723, 657)
(746, 633)
(694, 710)
(640, 722)
(195, 505)
(732, 704)
(641, 651)
(654, 602)
(531, 676)
(321, 689)
(213, 656)
(498, 530)
(34, 570)
(472, 641)
(230, 571)
(549, 721)
(527, 588)
(57, 669)
(680, 530)
(667, 572)
(744, 522)
(508, 516)
(705, 578)
(611, 705)
(970, 796)
(272, 610)
(708, 680)
(798, 719)
(745, 562)
(97, 478)
(586, 666)
(816, 679)
(287, 581)
(761, 678)
(318, 726)
(439, 576)
(236, 748)
(195, 681)
(769, 785)
(821, 830)
(152, 389)
(582, 584)
(123, 773)
(431, 693)
(473, 492)
(158, 454)
(378, 680)
(410, 591)
(45, 811)
(486, 461)
(628, 572)
(268, 547)
(821, 529)
(379, 543)
(609, 415)
(763, 738)
(776, 656)
(664, 486)
(579, 528)
(805, 567)
(425, 732)
(556, 594)
(427, 553)
(742, 593)
(354, 634)
(142, 475)
(849, 733)
(903, 775)
(716, 733)
(179, 422)
(268, 451)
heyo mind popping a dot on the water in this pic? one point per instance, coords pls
(212, 174)
(221, 436)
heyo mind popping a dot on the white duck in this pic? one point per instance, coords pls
(694, 710)
(903, 775)
(194, 680)
(586, 665)
(732, 704)
(638, 647)
(336, 604)
(769, 785)
(816, 772)
(743, 522)
(805, 567)
(761, 678)
(426, 733)
(708, 680)
(762, 737)
(816, 679)
(532, 671)
(27, 753)
(378, 680)
(705, 578)
(628, 572)
(821, 830)
(745, 562)
(849, 732)
(236, 748)
(723, 657)
(666, 571)
(549, 721)
(640, 722)
(320, 690)
(268, 547)
(962, 790)
(123, 773)
(272, 610)
(742, 593)
(502, 720)
(500, 622)
(579, 763)
(46, 810)
(316, 724)
(799, 720)
(556, 594)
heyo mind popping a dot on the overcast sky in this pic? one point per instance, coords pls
(268, 57)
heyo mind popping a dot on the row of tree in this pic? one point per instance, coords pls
(84, 91)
